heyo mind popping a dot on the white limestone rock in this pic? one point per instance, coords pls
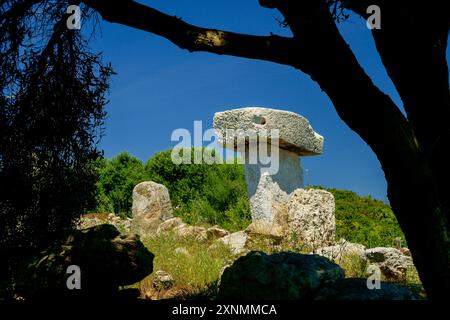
(151, 207)
(392, 262)
(273, 174)
(296, 134)
(236, 241)
(311, 217)
(341, 251)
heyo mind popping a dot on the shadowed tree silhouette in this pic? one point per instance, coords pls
(51, 116)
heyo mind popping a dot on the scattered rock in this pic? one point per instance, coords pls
(311, 217)
(216, 232)
(151, 207)
(356, 289)
(92, 220)
(106, 258)
(263, 228)
(182, 251)
(405, 251)
(162, 281)
(236, 241)
(169, 225)
(281, 276)
(187, 231)
(392, 262)
(341, 251)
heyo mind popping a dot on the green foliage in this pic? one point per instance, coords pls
(202, 193)
(118, 177)
(51, 117)
(216, 194)
(365, 220)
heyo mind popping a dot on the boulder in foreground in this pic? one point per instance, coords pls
(280, 276)
(106, 259)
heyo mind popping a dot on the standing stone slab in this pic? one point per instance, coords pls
(311, 217)
(151, 207)
(296, 138)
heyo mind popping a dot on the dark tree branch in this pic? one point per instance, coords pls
(327, 58)
(317, 49)
(186, 36)
(18, 9)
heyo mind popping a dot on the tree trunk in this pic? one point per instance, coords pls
(415, 201)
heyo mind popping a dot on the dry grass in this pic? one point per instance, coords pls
(196, 270)
(195, 273)
(101, 216)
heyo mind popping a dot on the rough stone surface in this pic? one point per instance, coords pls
(236, 241)
(216, 232)
(392, 262)
(162, 281)
(341, 251)
(107, 260)
(187, 231)
(269, 179)
(169, 225)
(405, 251)
(272, 230)
(281, 276)
(89, 221)
(151, 207)
(296, 134)
(356, 289)
(261, 183)
(267, 200)
(311, 217)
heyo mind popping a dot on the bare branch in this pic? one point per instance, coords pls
(328, 59)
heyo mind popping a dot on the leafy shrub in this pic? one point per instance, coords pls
(202, 193)
(217, 194)
(365, 220)
(118, 177)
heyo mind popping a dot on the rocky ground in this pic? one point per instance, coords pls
(264, 258)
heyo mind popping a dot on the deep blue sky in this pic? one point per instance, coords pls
(160, 88)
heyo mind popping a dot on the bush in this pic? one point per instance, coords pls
(217, 194)
(202, 193)
(118, 177)
(365, 220)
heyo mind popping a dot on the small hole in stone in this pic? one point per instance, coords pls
(259, 120)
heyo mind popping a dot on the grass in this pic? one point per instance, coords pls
(195, 273)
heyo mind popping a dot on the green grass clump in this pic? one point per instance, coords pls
(195, 273)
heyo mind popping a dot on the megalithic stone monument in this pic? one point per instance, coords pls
(294, 138)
